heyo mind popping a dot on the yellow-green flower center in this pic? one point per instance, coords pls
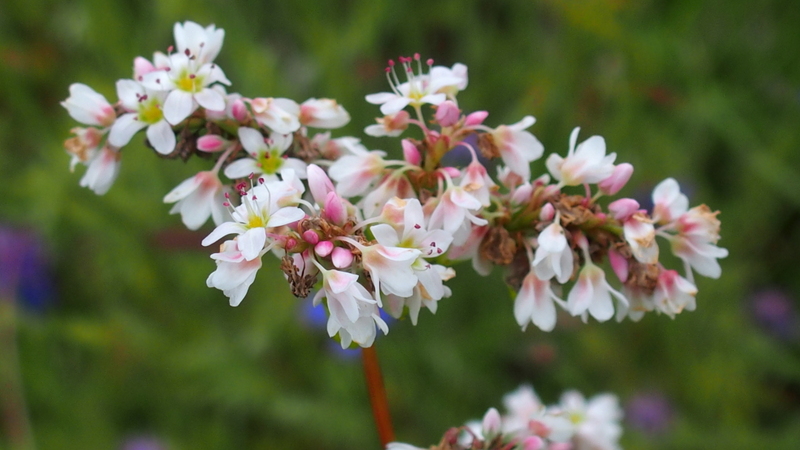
(150, 111)
(255, 221)
(270, 161)
(190, 82)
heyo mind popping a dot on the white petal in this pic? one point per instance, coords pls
(179, 105)
(161, 137)
(127, 91)
(251, 242)
(124, 128)
(210, 99)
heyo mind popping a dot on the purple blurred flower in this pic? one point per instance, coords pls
(142, 443)
(774, 311)
(24, 271)
(650, 413)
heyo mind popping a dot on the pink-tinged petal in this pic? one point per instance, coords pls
(222, 231)
(619, 264)
(431, 280)
(623, 208)
(341, 257)
(385, 234)
(251, 242)
(464, 199)
(611, 185)
(395, 105)
(88, 107)
(285, 216)
(210, 99)
(323, 248)
(124, 128)
(129, 93)
(161, 137)
(318, 183)
(476, 118)
(380, 98)
(178, 106)
(141, 66)
(339, 282)
(242, 168)
(212, 143)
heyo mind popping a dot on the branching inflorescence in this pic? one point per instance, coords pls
(365, 233)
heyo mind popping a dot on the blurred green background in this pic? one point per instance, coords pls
(121, 342)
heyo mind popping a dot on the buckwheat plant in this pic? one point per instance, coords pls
(364, 233)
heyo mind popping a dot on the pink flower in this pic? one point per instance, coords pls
(419, 89)
(673, 293)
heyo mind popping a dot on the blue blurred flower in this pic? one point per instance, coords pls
(774, 311)
(650, 413)
(142, 443)
(24, 268)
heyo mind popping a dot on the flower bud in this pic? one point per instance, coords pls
(452, 171)
(623, 208)
(611, 185)
(547, 213)
(476, 118)
(212, 143)
(411, 153)
(341, 257)
(532, 443)
(311, 237)
(619, 264)
(323, 248)
(491, 424)
(447, 114)
(239, 110)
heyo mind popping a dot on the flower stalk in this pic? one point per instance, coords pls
(377, 395)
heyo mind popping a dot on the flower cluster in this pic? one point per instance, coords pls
(363, 232)
(575, 423)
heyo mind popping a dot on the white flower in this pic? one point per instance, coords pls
(281, 115)
(419, 89)
(102, 170)
(669, 203)
(195, 41)
(596, 421)
(234, 273)
(356, 172)
(187, 81)
(390, 125)
(698, 233)
(673, 293)
(592, 293)
(389, 268)
(518, 147)
(323, 113)
(588, 163)
(88, 107)
(553, 255)
(535, 303)
(258, 212)
(145, 108)
(266, 156)
(198, 198)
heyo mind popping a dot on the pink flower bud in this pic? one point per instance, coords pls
(619, 264)
(611, 185)
(323, 248)
(532, 443)
(211, 143)
(239, 110)
(318, 183)
(522, 194)
(311, 237)
(547, 213)
(623, 208)
(141, 66)
(341, 257)
(491, 424)
(476, 118)
(447, 114)
(411, 153)
(290, 243)
(335, 210)
(451, 171)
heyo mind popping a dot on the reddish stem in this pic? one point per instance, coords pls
(377, 395)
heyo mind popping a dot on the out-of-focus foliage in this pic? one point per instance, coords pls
(135, 344)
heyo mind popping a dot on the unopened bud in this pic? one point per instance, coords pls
(491, 424)
(211, 143)
(547, 213)
(532, 443)
(619, 264)
(411, 152)
(611, 185)
(452, 171)
(447, 114)
(341, 257)
(623, 208)
(311, 237)
(239, 110)
(323, 248)
(476, 118)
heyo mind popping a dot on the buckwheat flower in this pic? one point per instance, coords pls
(554, 256)
(477, 182)
(188, 82)
(394, 185)
(202, 43)
(281, 115)
(258, 212)
(88, 107)
(695, 244)
(389, 268)
(417, 91)
(266, 156)
(535, 303)
(673, 293)
(454, 207)
(449, 80)
(427, 292)
(323, 113)
(518, 147)
(669, 203)
(356, 172)
(596, 421)
(235, 273)
(102, 170)
(197, 198)
(588, 163)
(84, 146)
(144, 108)
(391, 125)
(637, 228)
(527, 416)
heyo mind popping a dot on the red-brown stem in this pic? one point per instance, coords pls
(377, 395)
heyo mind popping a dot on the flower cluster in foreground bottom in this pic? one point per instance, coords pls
(573, 424)
(365, 233)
